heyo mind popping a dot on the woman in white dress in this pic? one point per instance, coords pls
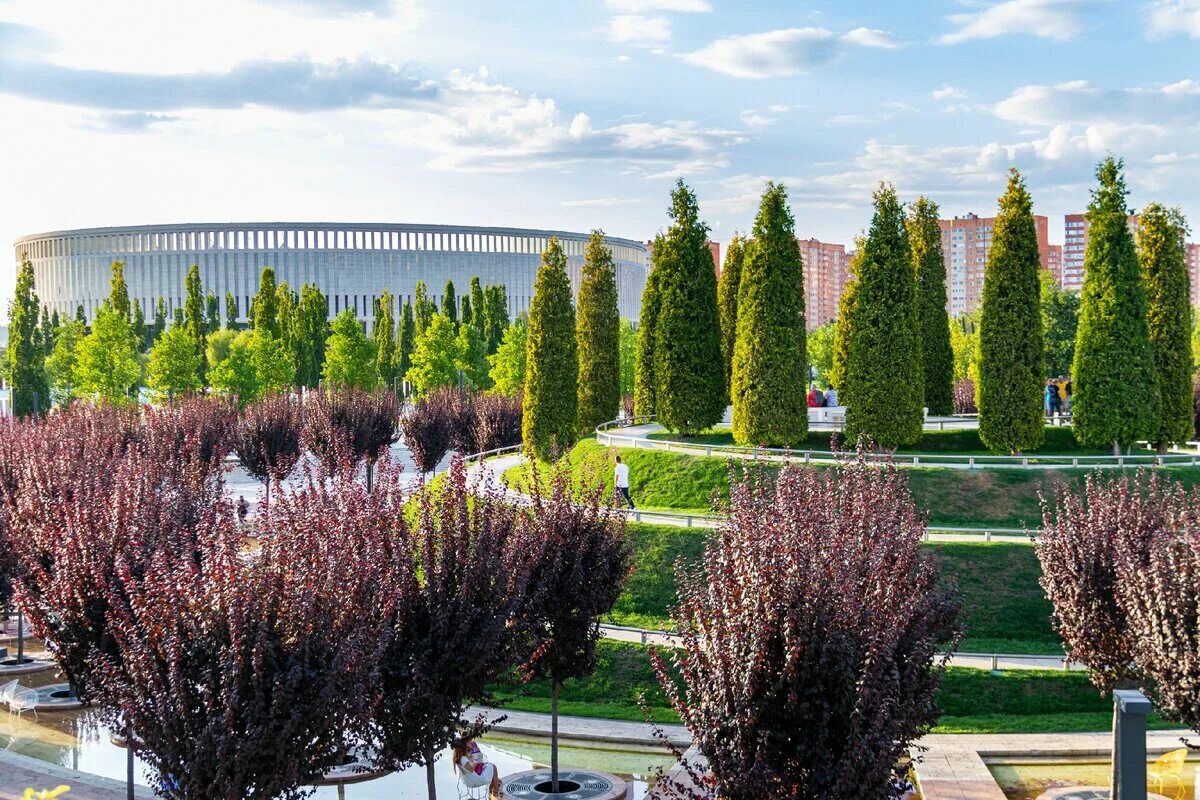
(474, 769)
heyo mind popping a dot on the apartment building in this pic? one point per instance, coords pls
(966, 242)
(1054, 262)
(1075, 239)
(826, 270)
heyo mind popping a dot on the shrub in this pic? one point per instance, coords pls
(497, 421)
(344, 427)
(428, 427)
(964, 397)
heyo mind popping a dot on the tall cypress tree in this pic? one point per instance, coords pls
(407, 336)
(598, 325)
(80, 314)
(26, 356)
(689, 376)
(287, 311)
(770, 363)
(551, 399)
(645, 401)
(140, 332)
(118, 296)
(231, 311)
(1116, 399)
(845, 323)
(384, 333)
(467, 314)
(937, 357)
(46, 332)
(160, 319)
(423, 309)
(883, 371)
(1163, 259)
(450, 303)
(1012, 347)
(265, 307)
(193, 314)
(212, 312)
(727, 301)
(311, 331)
(477, 306)
(495, 315)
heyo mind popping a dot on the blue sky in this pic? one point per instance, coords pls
(581, 114)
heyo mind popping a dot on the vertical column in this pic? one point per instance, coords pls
(1129, 744)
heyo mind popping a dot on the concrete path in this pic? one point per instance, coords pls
(18, 772)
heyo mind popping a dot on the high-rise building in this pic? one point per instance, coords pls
(966, 242)
(715, 249)
(1075, 238)
(1193, 262)
(1054, 262)
(826, 270)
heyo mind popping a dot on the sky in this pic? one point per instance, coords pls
(581, 114)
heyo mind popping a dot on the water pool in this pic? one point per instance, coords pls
(1027, 781)
(75, 740)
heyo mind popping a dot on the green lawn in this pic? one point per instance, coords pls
(1003, 605)
(972, 701)
(1059, 441)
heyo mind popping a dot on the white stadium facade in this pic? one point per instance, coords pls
(351, 263)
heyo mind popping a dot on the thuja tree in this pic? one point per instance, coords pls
(343, 428)
(264, 307)
(312, 327)
(597, 330)
(1012, 350)
(844, 324)
(551, 401)
(26, 371)
(267, 439)
(450, 304)
(195, 322)
(267, 664)
(1163, 260)
(428, 427)
(769, 359)
(809, 641)
(467, 563)
(644, 388)
(884, 377)
(937, 359)
(384, 332)
(727, 301)
(690, 391)
(1116, 397)
(586, 559)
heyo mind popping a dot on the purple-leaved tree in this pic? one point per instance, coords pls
(267, 439)
(346, 426)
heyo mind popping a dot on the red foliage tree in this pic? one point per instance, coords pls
(267, 438)
(497, 422)
(809, 637)
(428, 427)
(964, 397)
(586, 559)
(243, 675)
(346, 426)
(461, 625)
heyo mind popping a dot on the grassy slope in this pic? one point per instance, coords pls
(1005, 609)
(972, 701)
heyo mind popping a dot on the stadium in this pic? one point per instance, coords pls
(351, 263)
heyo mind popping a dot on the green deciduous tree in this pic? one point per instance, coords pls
(217, 349)
(1060, 320)
(272, 362)
(1163, 259)
(727, 302)
(212, 312)
(471, 356)
(384, 333)
(508, 362)
(597, 333)
(819, 345)
(60, 365)
(235, 375)
(495, 315)
(26, 355)
(265, 306)
(435, 357)
(770, 363)
(450, 304)
(1116, 399)
(349, 354)
(46, 332)
(884, 378)
(80, 314)
(312, 328)
(937, 359)
(551, 401)
(287, 312)
(141, 332)
(174, 365)
(1012, 350)
(160, 320)
(478, 306)
(106, 363)
(194, 320)
(689, 380)
(406, 337)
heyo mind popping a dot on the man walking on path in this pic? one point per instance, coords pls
(621, 481)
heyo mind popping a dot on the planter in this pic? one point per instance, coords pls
(575, 784)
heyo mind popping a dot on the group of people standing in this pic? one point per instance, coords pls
(819, 399)
(1058, 396)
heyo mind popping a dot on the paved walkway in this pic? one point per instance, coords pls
(18, 772)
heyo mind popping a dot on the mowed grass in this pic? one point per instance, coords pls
(972, 701)
(1004, 608)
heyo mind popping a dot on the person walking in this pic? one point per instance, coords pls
(831, 398)
(621, 482)
(1051, 396)
(814, 397)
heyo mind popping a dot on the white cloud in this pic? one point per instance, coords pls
(1174, 158)
(1047, 19)
(599, 202)
(948, 92)
(1173, 17)
(859, 119)
(645, 6)
(639, 30)
(1081, 103)
(781, 53)
(754, 119)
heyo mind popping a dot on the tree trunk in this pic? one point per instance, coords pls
(431, 784)
(554, 738)
(267, 501)
(1162, 448)
(1116, 448)
(128, 762)
(20, 637)
(370, 474)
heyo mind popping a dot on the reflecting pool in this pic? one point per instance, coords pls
(1027, 781)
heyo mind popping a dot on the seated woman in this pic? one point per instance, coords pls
(474, 769)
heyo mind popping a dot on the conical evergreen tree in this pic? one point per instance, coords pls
(884, 378)
(645, 388)
(407, 336)
(193, 315)
(937, 357)
(265, 306)
(26, 356)
(727, 301)
(689, 376)
(770, 363)
(450, 304)
(1163, 259)
(160, 319)
(477, 306)
(552, 366)
(467, 314)
(495, 315)
(1116, 399)
(386, 362)
(423, 309)
(231, 311)
(845, 323)
(118, 296)
(46, 332)
(311, 332)
(1012, 348)
(287, 314)
(212, 312)
(140, 331)
(598, 326)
